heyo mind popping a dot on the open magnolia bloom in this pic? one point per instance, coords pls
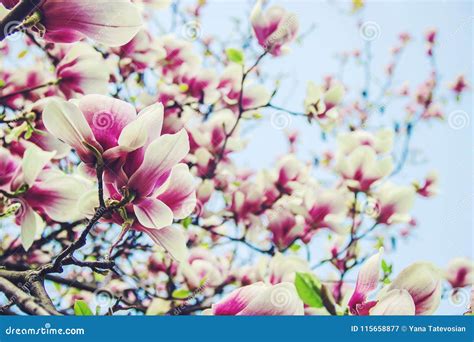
(260, 299)
(141, 166)
(274, 29)
(110, 22)
(40, 191)
(362, 168)
(415, 291)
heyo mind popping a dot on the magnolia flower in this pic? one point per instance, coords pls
(82, 72)
(230, 85)
(291, 171)
(274, 29)
(429, 187)
(283, 268)
(393, 203)
(381, 141)
(204, 267)
(367, 281)
(459, 85)
(422, 281)
(139, 53)
(110, 22)
(361, 168)
(460, 272)
(40, 190)
(325, 209)
(322, 103)
(285, 226)
(179, 53)
(261, 299)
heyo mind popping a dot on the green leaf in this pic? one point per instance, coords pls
(181, 293)
(235, 55)
(386, 268)
(82, 309)
(295, 247)
(309, 289)
(186, 222)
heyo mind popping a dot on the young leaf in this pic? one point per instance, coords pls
(235, 55)
(82, 309)
(181, 294)
(309, 289)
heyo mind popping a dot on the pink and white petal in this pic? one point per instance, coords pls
(106, 117)
(179, 191)
(31, 226)
(113, 23)
(160, 156)
(58, 197)
(34, 160)
(394, 303)
(65, 121)
(145, 128)
(172, 240)
(238, 299)
(153, 213)
(276, 300)
(367, 279)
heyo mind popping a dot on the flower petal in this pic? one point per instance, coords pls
(153, 213)
(66, 122)
(160, 156)
(172, 240)
(34, 160)
(179, 191)
(394, 302)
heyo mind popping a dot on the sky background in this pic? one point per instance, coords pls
(445, 221)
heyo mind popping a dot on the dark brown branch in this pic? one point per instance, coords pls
(25, 302)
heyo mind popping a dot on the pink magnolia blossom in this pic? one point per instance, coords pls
(321, 103)
(422, 281)
(139, 53)
(393, 203)
(204, 267)
(362, 168)
(325, 209)
(274, 29)
(108, 22)
(460, 272)
(285, 226)
(367, 282)
(381, 141)
(261, 299)
(81, 72)
(429, 188)
(41, 191)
